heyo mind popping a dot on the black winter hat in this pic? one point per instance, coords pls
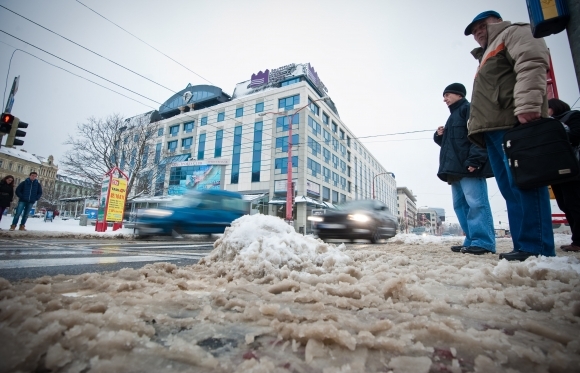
(457, 88)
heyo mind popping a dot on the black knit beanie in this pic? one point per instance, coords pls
(457, 88)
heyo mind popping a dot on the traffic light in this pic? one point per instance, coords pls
(10, 125)
(6, 123)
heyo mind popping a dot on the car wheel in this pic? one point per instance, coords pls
(376, 236)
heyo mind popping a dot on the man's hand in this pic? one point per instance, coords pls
(440, 130)
(528, 117)
(471, 169)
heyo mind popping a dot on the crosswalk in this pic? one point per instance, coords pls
(18, 255)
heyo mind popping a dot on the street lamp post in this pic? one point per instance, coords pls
(382, 173)
(289, 188)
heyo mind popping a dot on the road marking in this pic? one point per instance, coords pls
(55, 262)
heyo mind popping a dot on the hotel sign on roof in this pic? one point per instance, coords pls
(270, 77)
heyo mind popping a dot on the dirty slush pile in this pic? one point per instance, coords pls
(270, 300)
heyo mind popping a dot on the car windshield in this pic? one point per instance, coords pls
(207, 201)
(358, 205)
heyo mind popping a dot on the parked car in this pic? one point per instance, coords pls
(197, 212)
(360, 219)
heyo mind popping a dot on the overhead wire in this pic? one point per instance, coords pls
(87, 49)
(143, 41)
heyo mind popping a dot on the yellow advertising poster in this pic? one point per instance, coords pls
(117, 194)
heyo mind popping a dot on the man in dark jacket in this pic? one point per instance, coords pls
(28, 192)
(465, 167)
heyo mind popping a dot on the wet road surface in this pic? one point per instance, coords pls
(32, 258)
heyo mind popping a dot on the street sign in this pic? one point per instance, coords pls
(13, 91)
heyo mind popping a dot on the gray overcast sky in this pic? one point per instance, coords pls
(385, 64)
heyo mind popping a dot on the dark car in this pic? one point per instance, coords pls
(197, 212)
(360, 219)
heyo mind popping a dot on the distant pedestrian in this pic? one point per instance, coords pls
(568, 194)
(510, 86)
(28, 192)
(6, 193)
(464, 166)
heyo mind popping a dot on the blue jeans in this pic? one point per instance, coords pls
(471, 206)
(529, 211)
(23, 207)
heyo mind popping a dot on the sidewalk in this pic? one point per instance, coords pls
(59, 228)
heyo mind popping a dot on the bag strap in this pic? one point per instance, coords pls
(567, 116)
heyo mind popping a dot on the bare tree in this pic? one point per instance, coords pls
(101, 144)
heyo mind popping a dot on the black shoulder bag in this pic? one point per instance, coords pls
(539, 154)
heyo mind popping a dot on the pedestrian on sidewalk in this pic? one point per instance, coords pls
(568, 194)
(28, 192)
(6, 193)
(510, 87)
(464, 166)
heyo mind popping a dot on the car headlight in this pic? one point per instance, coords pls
(359, 217)
(157, 213)
(316, 218)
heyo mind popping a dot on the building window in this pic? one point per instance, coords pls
(282, 164)
(291, 81)
(257, 152)
(201, 147)
(158, 153)
(135, 137)
(313, 167)
(348, 141)
(334, 197)
(235, 177)
(145, 156)
(314, 126)
(259, 107)
(239, 112)
(314, 146)
(221, 116)
(313, 107)
(288, 103)
(334, 127)
(219, 136)
(326, 155)
(343, 166)
(324, 118)
(282, 142)
(342, 198)
(342, 183)
(335, 144)
(326, 174)
(348, 171)
(335, 161)
(187, 142)
(326, 136)
(282, 123)
(203, 121)
(325, 194)
(174, 130)
(342, 150)
(188, 127)
(341, 134)
(171, 146)
(348, 156)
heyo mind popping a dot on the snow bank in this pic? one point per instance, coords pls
(269, 300)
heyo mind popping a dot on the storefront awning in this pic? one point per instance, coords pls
(252, 197)
(329, 205)
(277, 201)
(304, 199)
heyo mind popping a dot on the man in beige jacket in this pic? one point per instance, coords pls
(510, 87)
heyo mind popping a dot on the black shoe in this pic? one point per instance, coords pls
(517, 255)
(457, 249)
(475, 250)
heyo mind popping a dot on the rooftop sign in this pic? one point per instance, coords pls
(263, 79)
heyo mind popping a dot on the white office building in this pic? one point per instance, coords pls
(208, 139)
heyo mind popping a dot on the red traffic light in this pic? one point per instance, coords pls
(7, 118)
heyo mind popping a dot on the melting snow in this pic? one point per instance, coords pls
(270, 300)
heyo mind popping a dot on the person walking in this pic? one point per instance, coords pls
(28, 192)
(464, 166)
(510, 87)
(6, 193)
(568, 194)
